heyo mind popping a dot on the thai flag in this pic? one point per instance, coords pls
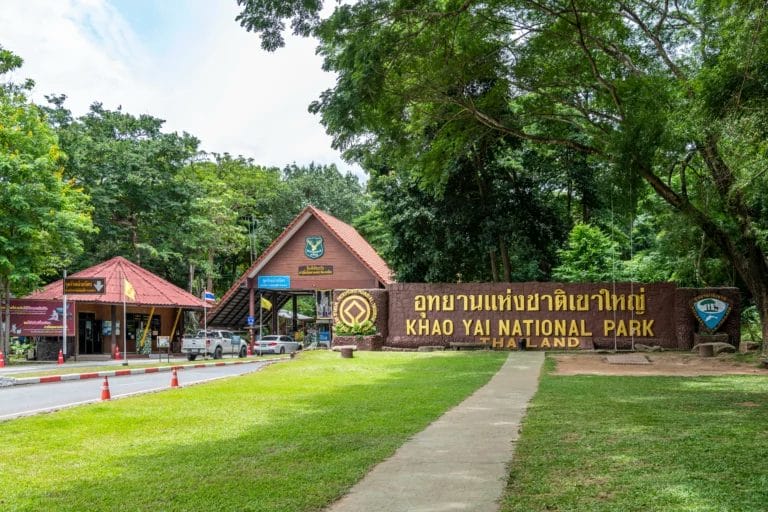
(209, 296)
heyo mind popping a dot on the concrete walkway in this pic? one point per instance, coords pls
(459, 463)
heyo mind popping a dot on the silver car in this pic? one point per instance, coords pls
(277, 344)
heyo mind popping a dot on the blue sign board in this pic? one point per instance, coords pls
(275, 282)
(250, 320)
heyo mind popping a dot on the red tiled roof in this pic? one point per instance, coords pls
(356, 244)
(346, 234)
(151, 290)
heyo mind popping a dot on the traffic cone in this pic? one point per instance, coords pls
(105, 395)
(61, 357)
(2, 360)
(174, 379)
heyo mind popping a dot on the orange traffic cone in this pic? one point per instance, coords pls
(2, 360)
(174, 379)
(61, 357)
(105, 395)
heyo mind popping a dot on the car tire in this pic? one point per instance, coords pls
(243, 351)
(217, 353)
(191, 357)
(282, 350)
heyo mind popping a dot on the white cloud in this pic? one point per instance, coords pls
(205, 75)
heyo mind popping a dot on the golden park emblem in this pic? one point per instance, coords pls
(353, 307)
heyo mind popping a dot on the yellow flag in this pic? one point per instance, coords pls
(128, 290)
(265, 304)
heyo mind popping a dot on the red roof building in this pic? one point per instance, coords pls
(135, 311)
(119, 273)
(315, 253)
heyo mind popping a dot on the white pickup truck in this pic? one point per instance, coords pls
(216, 343)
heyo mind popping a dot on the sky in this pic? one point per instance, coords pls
(185, 61)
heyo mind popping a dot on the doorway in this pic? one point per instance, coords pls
(88, 334)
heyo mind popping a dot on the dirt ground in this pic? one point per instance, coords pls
(661, 363)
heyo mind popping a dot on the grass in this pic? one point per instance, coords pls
(593, 443)
(293, 437)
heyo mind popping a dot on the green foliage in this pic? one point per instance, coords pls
(19, 349)
(127, 164)
(454, 234)
(750, 324)
(373, 226)
(366, 328)
(196, 219)
(325, 187)
(591, 256)
(42, 215)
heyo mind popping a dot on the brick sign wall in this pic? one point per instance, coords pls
(545, 315)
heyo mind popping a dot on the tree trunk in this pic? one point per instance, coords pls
(210, 267)
(505, 259)
(739, 246)
(135, 240)
(191, 277)
(494, 268)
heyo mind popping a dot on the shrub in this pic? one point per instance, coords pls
(366, 328)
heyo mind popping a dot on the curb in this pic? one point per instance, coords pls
(121, 373)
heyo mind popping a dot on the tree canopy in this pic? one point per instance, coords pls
(667, 95)
(42, 215)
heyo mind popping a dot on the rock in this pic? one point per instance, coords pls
(647, 348)
(748, 346)
(717, 348)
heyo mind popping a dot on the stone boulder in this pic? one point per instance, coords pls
(639, 347)
(717, 347)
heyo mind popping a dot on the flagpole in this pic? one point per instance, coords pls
(125, 326)
(64, 323)
(205, 322)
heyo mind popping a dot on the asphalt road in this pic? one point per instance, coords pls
(16, 401)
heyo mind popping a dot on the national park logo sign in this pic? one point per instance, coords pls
(314, 247)
(353, 307)
(711, 311)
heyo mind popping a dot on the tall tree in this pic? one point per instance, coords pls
(127, 165)
(487, 222)
(325, 187)
(42, 216)
(671, 93)
(590, 256)
(210, 228)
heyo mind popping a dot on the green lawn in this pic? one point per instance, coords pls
(292, 437)
(592, 443)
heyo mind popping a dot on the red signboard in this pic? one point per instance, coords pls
(40, 318)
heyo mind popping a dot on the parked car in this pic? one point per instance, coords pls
(215, 342)
(277, 344)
